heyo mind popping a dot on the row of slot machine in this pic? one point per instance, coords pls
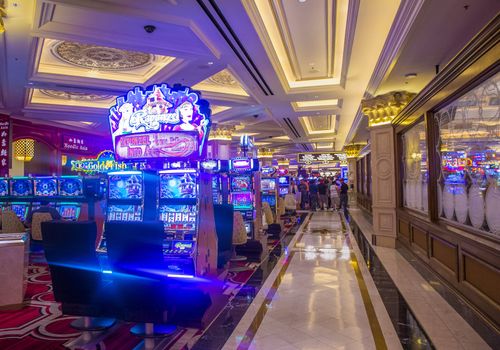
(273, 188)
(24, 194)
(173, 196)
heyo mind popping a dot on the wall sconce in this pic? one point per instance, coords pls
(24, 149)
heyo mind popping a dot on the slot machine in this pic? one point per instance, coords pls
(4, 193)
(70, 188)
(283, 185)
(242, 191)
(220, 183)
(21, 191)
(46, 189)
(178, 209)
(269, 193)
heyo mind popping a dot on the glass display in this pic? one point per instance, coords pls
(70, 186)
(21, 187)
(21, 210)
(416, 172)
(69, 211)
(124, 212)
(241, 183)
(45, 186)
(125, 186)
(268, 184)
(271, 199)
(242, 200)
(178, 217)
(4, 187)
(469, 153)
(178, 185)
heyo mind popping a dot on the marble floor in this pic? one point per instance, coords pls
(314, 299)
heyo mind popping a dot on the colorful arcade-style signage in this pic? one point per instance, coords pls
(104, 163)
(160, 122)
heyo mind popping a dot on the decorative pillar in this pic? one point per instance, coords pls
(380, 111)
(265, 156)
(352, 151)
(3, 13)
(219, 142)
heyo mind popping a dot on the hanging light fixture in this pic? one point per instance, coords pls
(24, 149)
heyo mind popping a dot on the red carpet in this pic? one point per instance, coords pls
(40, 324)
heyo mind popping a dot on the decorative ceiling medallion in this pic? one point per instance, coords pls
(222, 82)
(78, 96)
(100, 57)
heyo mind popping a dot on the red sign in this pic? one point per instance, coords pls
(4, 144)
(156, 145)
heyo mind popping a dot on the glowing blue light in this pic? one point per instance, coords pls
(179, 276)
(107, 271)
(125, 173)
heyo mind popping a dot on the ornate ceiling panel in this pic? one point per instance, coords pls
(70, 98)
(320, 124)
(73, 59)
(222, 82)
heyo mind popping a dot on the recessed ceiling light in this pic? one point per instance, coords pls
(302, 0)
(210, 63)
(410, 75)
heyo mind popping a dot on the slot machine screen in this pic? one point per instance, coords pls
(178, 217)
(21, 210)
(69, 211)
(283, 191)
(242, 200)
(125, 186)
(240, 183)
(124, 212)
(4, 188)
(178, 185)
(70, 186)
(284, 181)
(267, 184)
(45, 187)
(269, 199)
(21, 187)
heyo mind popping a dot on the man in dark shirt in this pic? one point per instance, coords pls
(44, 208)
(313, 195)
(343, 194)
(323, 198)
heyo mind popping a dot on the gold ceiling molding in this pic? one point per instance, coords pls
(320, 124)
(315, 105)
(71, 95)
(223, 82)
(352, 150)
(382, 109)
(218, 109)
(221, 133)
(279, 24)
(265, 153)
(67, 99)
(3, 13)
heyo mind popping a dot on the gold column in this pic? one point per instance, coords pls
(3, 13)
(219, 140)
(352, 151)
(380, 111)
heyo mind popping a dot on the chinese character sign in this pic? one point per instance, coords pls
(160, 109)
(4, 145)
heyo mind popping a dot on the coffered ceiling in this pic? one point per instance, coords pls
(291, 73)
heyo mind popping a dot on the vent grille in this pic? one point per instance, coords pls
(292, 127)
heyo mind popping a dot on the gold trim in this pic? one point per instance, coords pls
(378, 335)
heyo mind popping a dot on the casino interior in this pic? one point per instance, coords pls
(249, 174)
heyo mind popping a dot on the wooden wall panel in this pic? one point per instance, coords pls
(419, 237)
(445, 253)
(482, 276)
(404, 229)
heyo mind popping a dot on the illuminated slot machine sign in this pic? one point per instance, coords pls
(241, 183)
(160, 122)
(242, 200)
(4, 187)
(268, 185)
(70, 186)
(45, 187)
(284, 183)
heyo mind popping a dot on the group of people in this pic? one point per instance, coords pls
(323, 194)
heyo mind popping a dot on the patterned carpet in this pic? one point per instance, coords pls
(41, 325)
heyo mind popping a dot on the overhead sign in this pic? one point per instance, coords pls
(320, 157)
(105, 162)
(146, 122)
(4, 144)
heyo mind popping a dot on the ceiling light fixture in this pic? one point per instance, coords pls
(210, 63)
(302, 1)
(410, 75)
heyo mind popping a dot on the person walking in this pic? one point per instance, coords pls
(313, 195)
(323, 197)
(334, 195)
(303, 194)
(343, 195)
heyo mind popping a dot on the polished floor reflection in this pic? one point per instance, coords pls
(318, 303)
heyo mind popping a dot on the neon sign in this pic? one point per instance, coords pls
(105, 162)
(146, 123)
(325, 158)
